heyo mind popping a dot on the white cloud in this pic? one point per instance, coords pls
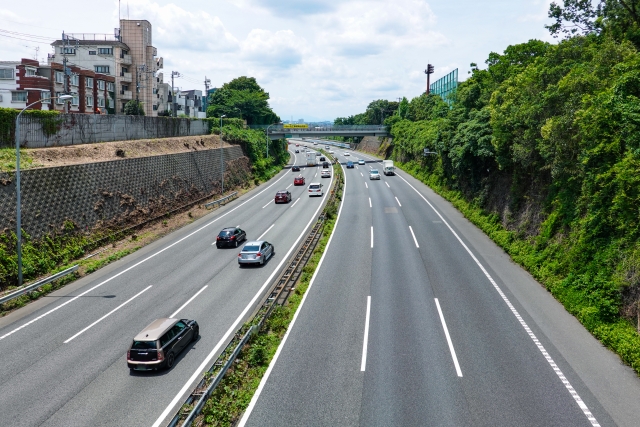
(280, 49)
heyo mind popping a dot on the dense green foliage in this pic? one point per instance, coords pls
(542, 151)
(134, 108)
(8, 122)
(242, 98)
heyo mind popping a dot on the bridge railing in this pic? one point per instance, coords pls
(311, 128)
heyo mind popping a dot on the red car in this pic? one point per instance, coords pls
(283, 197)
(298, 180)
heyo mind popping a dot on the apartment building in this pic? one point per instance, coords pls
(22, 83)
(163, 95)
(194, 105)
(128, 56)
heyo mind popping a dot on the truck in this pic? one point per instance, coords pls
(311, 158)
(388, 168)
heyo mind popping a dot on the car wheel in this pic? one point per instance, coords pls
(196, 332)
(171, 358)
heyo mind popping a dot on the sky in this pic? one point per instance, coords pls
(318, 59)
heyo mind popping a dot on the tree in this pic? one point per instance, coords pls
(133, 108)
(242, 98)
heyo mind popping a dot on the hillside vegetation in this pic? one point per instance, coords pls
(542, 150)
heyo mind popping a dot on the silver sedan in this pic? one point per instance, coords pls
(255, 252)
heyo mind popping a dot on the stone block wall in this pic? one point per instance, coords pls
(115, 193)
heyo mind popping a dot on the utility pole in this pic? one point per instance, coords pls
(428, 72)
(173, 94)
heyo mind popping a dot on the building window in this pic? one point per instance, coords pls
(92, 52)
(6, 73)
(101, 84)
(155, 107)
(105, 50)
(110, 87)
(45, 97)
(103, 69)
(68, 50)
(18, 96)
(30, 72)
(89, 81)
(125, 87)
(58, 100)
(101, 102)
(59, 77)
(89, 101)
(75, 80)
(75, 100)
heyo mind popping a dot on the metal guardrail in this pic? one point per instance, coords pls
(278, 295)
(37, 284)
(222, 200)
(205, 395)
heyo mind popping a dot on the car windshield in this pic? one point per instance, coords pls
(373, 172)
(251, 248)
(144, 345)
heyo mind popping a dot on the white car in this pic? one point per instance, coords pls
(374, 174)
(346, 153)
(326, 146)
(326, 173)
(315, 189)
(361, 162)
(331, 152)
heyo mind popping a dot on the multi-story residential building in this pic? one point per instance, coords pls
(22, 83)
(163, 95)
(137, 35)
(194, 104)
(128, 56)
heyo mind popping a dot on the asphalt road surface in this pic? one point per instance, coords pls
(415, 317)
(64, 356)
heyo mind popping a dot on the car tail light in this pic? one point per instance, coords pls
(128, 354)
(239, 255)
(218, 238)
(160, 355)
(233, 237)
(259, 254)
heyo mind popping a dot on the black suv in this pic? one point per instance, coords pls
(325, 165)
(230, 236)
(158, 345)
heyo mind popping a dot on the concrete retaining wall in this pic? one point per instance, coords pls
(116, 193)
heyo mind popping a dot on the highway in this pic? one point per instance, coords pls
(414, 317)
(64, 356)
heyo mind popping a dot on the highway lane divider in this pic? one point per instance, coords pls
(259, 337)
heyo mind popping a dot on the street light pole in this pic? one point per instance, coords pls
(221, 156)
(18, 195)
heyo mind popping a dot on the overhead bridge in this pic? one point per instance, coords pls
(279, 131)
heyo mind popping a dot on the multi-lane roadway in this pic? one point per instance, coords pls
(64, 357)
(416, 318)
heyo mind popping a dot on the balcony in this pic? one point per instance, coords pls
(126, 94)
(125, 77)
(125, 59)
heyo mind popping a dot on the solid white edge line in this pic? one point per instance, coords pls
(256, 395)
(294, 203)
(372, 236)
(398, 202)
(446, 334)
(235, 324)
(262, 235)
(187, 303)
(109, 313)
(136, 264)
(370, 202)
(414, 237)
(270, 202)
(365, 343)
(545, 354)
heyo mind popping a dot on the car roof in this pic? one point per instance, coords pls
(156, 329)
(282, 191)
(254, 243)
(373, 171)
(228, 229)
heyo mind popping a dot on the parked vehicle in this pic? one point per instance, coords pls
(298, 180)
(349, 164)
(315, 189)
(374, 174)
(158, 345)
(230, 236)
(283, 196)
(388, 168)
(256, 252)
